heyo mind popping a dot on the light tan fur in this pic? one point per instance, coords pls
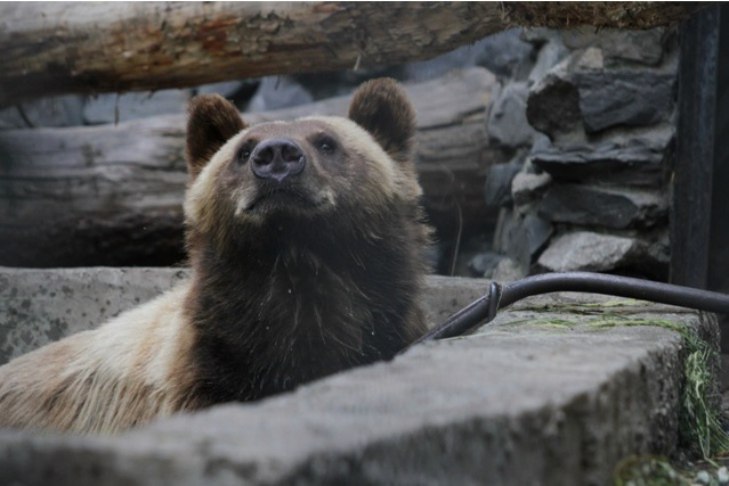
(105, 380)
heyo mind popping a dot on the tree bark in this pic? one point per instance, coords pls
(55, 48)
(112, 194)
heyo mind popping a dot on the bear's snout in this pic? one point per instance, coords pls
(277, 159)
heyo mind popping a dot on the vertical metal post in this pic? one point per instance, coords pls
(694, 165)
(719, 242)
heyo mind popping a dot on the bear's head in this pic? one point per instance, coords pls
(247, 179)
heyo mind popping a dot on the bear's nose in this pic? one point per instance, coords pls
(277, 159)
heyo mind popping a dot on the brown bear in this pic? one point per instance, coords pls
(306, 242)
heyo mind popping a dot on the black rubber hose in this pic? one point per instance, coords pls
(484, 308)
(598, 283)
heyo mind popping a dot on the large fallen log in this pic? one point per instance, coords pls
(111, 195)
(53, 48)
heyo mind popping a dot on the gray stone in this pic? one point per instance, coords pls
(524, 401)
(503, 53)
(507, 270)
(581, 91)
(608, 207)
(226, 88)
(112, 108)
(239, 93)
(656, 249)
(507, 124)
(521, 236)
(276, 92)
(497, 188)
(550, 55)
(541, 142)
(323, 85)
(629, 97)
(58, 111)
(587, 251)
(41, 306)
(484, 264)
(645, 253)
(553, 105)
(527, 187)
(633, 157)
(537, 232)
(641, 46)
(539, 35)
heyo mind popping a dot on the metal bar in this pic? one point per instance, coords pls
(694, 164)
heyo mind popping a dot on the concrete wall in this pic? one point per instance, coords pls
(546, 394)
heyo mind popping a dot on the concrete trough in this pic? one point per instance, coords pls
(546, 394)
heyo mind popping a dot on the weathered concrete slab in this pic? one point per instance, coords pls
(40, 306)
(555, 391)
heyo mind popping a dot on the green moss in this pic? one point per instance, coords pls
(553, 323)
(700, 420)
(589, 308)
(700, 427)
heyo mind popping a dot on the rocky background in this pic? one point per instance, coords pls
(588, 189)
(570, 159)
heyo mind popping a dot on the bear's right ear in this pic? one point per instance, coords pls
(381, 107)
(212, 121)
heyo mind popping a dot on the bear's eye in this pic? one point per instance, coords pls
(325, 144)
(245, 152)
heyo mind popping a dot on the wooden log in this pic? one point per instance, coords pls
(54, 48)
(111, 194)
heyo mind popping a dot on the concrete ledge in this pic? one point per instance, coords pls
(541, 396)
(41, 306)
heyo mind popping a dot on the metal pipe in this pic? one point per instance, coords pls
(484, 309)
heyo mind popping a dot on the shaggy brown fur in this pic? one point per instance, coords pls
(293, 279)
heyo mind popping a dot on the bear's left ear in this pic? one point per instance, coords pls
(212, 121)
(381, 107)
